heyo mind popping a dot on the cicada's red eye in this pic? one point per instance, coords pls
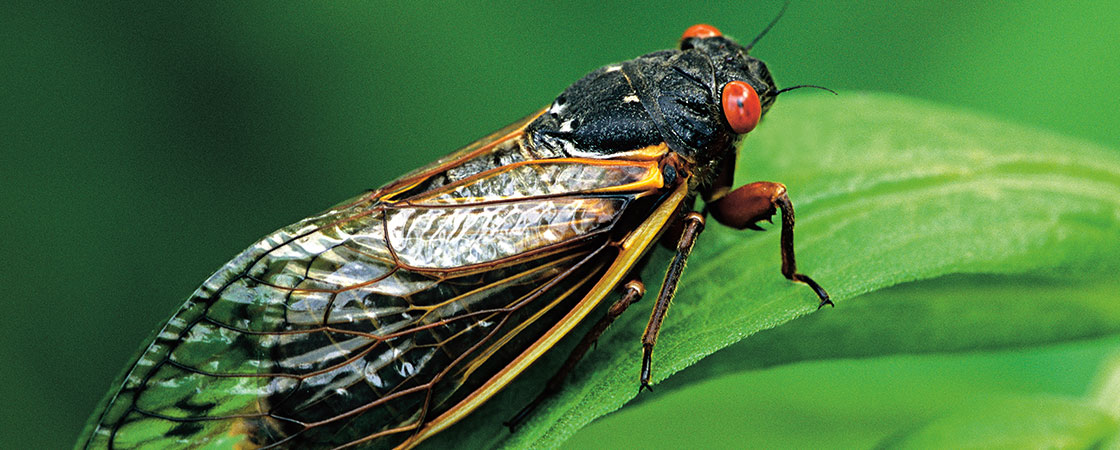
(741, 106)
(700, 30)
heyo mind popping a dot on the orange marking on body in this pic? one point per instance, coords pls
(651, 153)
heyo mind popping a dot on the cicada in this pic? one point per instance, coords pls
(391, 316)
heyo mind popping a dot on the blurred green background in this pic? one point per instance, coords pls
(145, 145)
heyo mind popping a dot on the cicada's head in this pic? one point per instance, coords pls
(714, 93)
(697, 100)
(710, 94)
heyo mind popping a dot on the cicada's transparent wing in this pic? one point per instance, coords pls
(491, 151)
(369, 321)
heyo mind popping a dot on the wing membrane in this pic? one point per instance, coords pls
(378, 316)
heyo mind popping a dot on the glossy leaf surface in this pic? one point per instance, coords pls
(888, 191)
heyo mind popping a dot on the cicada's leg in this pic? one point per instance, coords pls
(634, 291)
(747, 205)
(672, 234)
(693, 225)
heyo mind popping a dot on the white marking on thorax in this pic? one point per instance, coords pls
(566, 126)
(630, 99)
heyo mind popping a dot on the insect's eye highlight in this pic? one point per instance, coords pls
(741, 106)
(702, 31)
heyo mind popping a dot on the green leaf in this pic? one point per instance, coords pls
(865, 403)
(1036, 422)
(962, 312)
(888, 190)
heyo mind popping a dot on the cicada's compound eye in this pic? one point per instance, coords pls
(741, 106)
(702, 31)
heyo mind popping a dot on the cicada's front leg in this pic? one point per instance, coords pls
(746, 206)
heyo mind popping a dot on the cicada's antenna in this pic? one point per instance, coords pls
(805, 86)
(768, 27)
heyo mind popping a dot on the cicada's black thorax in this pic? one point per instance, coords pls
(670, 96)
